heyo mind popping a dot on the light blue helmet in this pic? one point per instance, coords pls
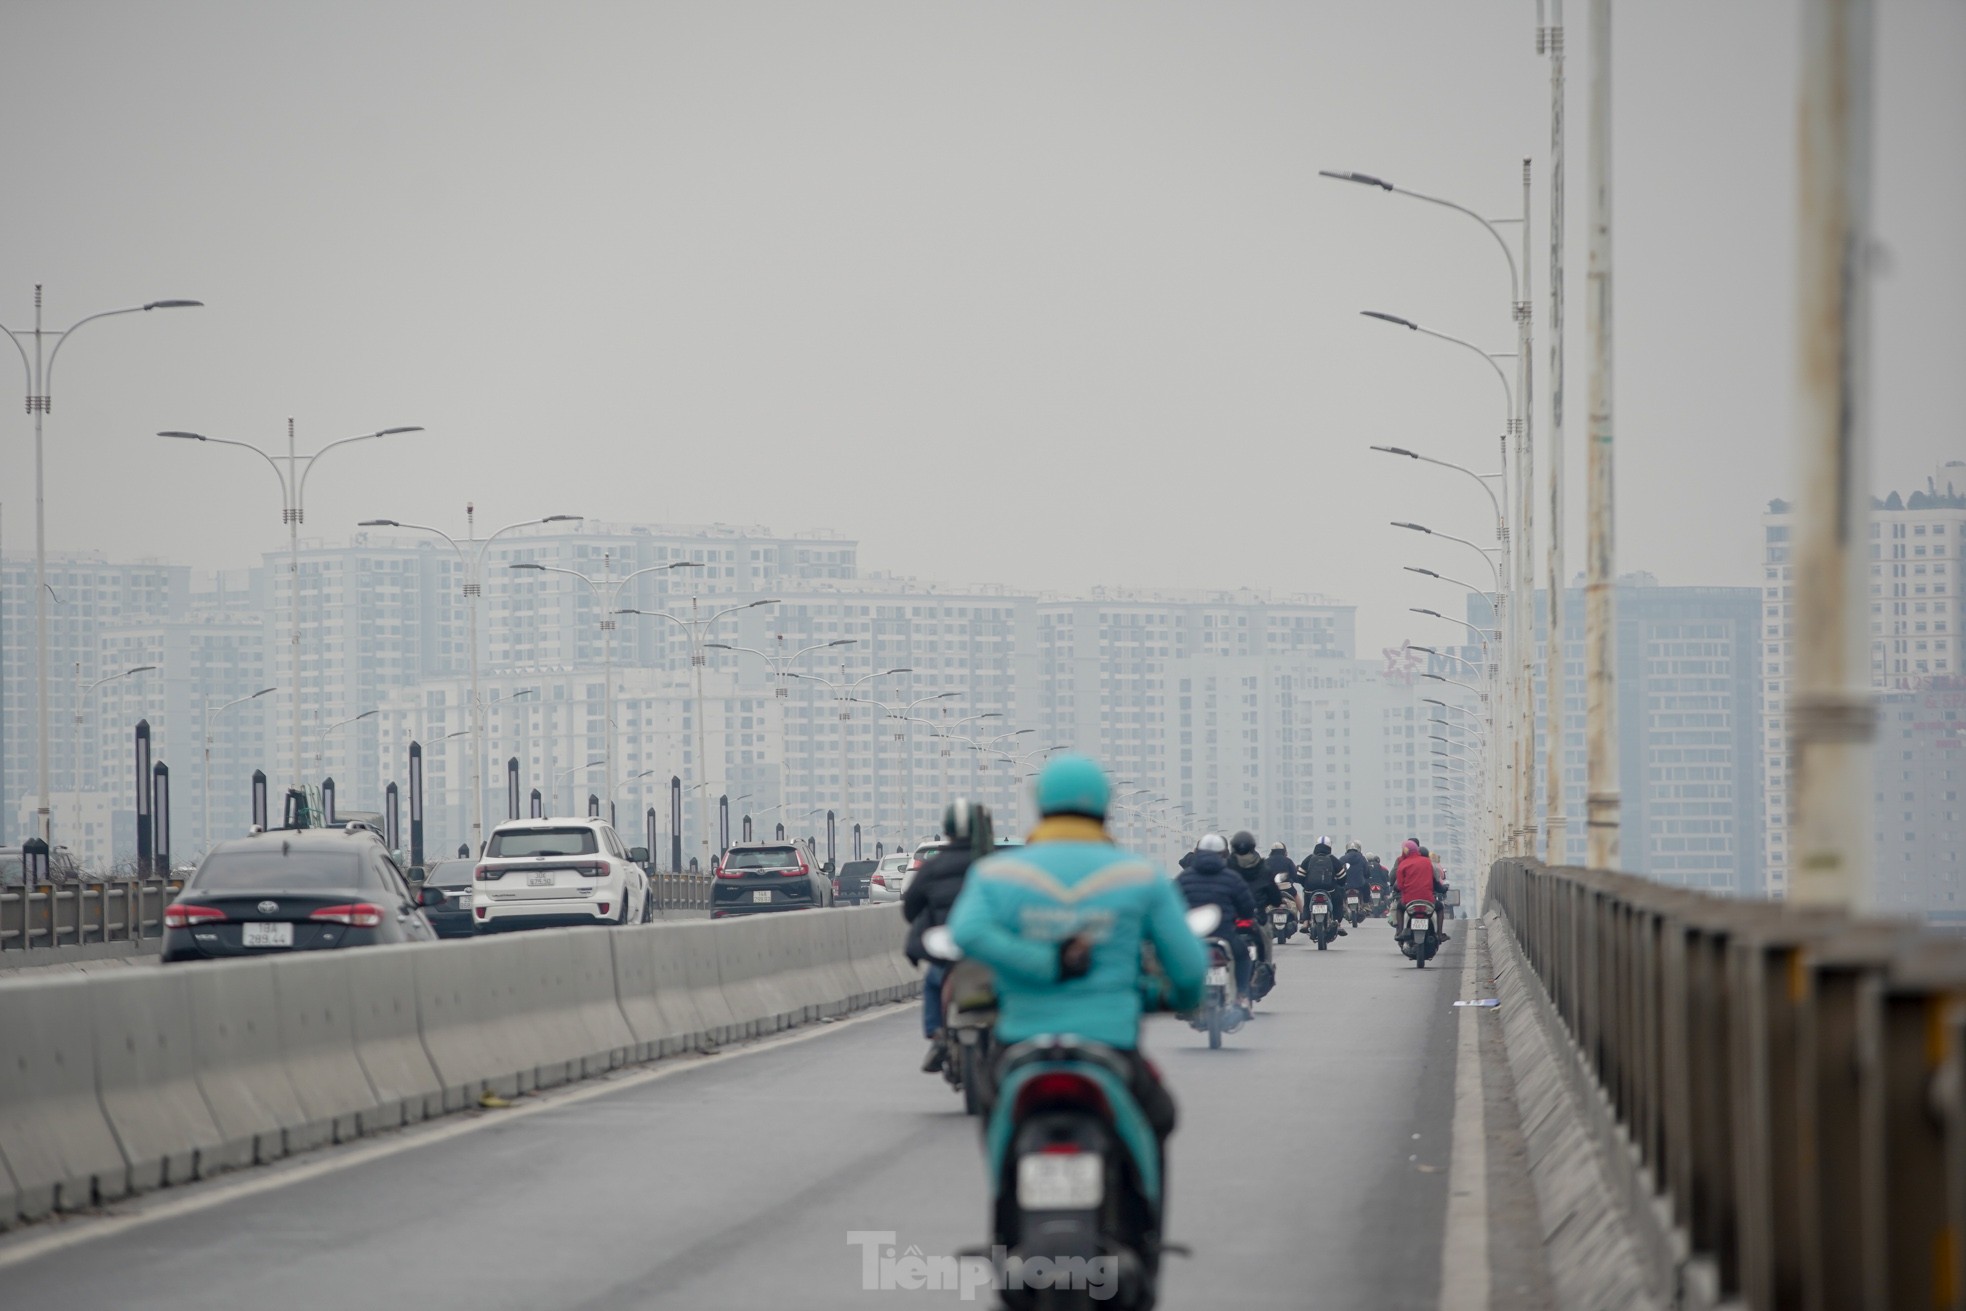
(1073, 785)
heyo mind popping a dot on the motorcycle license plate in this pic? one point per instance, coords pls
(1057, 1182)
(1320, 910)
(1419, 925)
(1218, 976)
(1351, 901)
(1280, 921)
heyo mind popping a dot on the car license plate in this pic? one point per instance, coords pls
(275, 933)
(762, 896)
(543, 879)
(1057, 1182)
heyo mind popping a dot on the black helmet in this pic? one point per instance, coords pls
(967, 824)
(1243, 843)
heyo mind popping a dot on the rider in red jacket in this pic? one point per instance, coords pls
(1414, 879)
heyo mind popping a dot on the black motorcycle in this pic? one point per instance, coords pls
(1420, 938)
(1322, 920)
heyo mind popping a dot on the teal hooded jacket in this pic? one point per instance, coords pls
(1017, 907)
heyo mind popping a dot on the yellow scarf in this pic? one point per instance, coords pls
(1068, 828)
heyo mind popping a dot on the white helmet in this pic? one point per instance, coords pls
(1354, 846)
(1214, 842)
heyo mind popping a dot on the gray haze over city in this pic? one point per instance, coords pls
(1067, 269)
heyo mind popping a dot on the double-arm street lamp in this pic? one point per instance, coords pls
(778, 665)
(293, 511)
(695, 627)
(474, 570)
(39, 368)
(606, 592)
(842, 690)
(905, 715)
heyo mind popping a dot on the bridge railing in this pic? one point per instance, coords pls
(37, 917)
(681, 890)
(1790, 1083)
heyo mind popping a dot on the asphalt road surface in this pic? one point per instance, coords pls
(1310, 1170)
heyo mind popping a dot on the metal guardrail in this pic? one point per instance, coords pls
(681, 891)
(43, 915)
(1790, 1081)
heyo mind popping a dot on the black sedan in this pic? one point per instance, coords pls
(292, 890)
(756, 877)
(446, 898)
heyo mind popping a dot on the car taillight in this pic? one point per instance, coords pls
(179, 915)
(796, 872)
(604, 908)
(356, 914)
(486, 874)
(879, 880)
(1060, 1089)
(726, 872)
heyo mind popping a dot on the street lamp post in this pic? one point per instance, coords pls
(206, 832)
(566, 775)
(694, 628)
(942, 757)
(76, 738)
(40, 372)
(606, 593)
(293, 511)
(777, 667)
(843, 690)
(474, 569)
(327, 735)
(1523, 575)
(901, 735)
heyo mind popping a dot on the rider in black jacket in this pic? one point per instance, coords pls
(967, 837)
(1208, 881)
(1246, 860)
(1324, 872)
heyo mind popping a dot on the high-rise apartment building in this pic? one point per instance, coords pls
(1917, 545)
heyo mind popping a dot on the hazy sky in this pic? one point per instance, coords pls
(1047, 294)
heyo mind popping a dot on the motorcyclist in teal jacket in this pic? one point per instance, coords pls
(1061, 922)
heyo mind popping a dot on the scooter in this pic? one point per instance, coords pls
(1218, 1013)
(969, 1009)
(1323, 923)
(1381, 900)
(1354, 906)
(1283, 922)
(1422, 936)
(1075, 1171)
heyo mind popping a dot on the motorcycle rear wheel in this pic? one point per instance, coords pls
(972, 1080)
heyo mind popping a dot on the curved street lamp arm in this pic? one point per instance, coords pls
(307, 462)
(48, 370)
(27, 365)
(285, 491)
(1515, 283)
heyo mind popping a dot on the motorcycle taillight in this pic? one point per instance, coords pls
(1060, 1088)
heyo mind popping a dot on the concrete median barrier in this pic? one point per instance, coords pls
(388, 1042)
(466, 1038)
(691, 950)
(146, 1077)
(748, 952)
(318, 1031)
(241, 1068)
(879, 939)
(58, 1148)
(138, 1079)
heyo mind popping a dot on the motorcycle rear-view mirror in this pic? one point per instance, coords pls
(1204, 920)
(940, 944)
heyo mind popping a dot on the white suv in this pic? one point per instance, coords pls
(539, 873)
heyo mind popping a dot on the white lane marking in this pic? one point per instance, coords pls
(152, 1207)
(1464, 1275)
